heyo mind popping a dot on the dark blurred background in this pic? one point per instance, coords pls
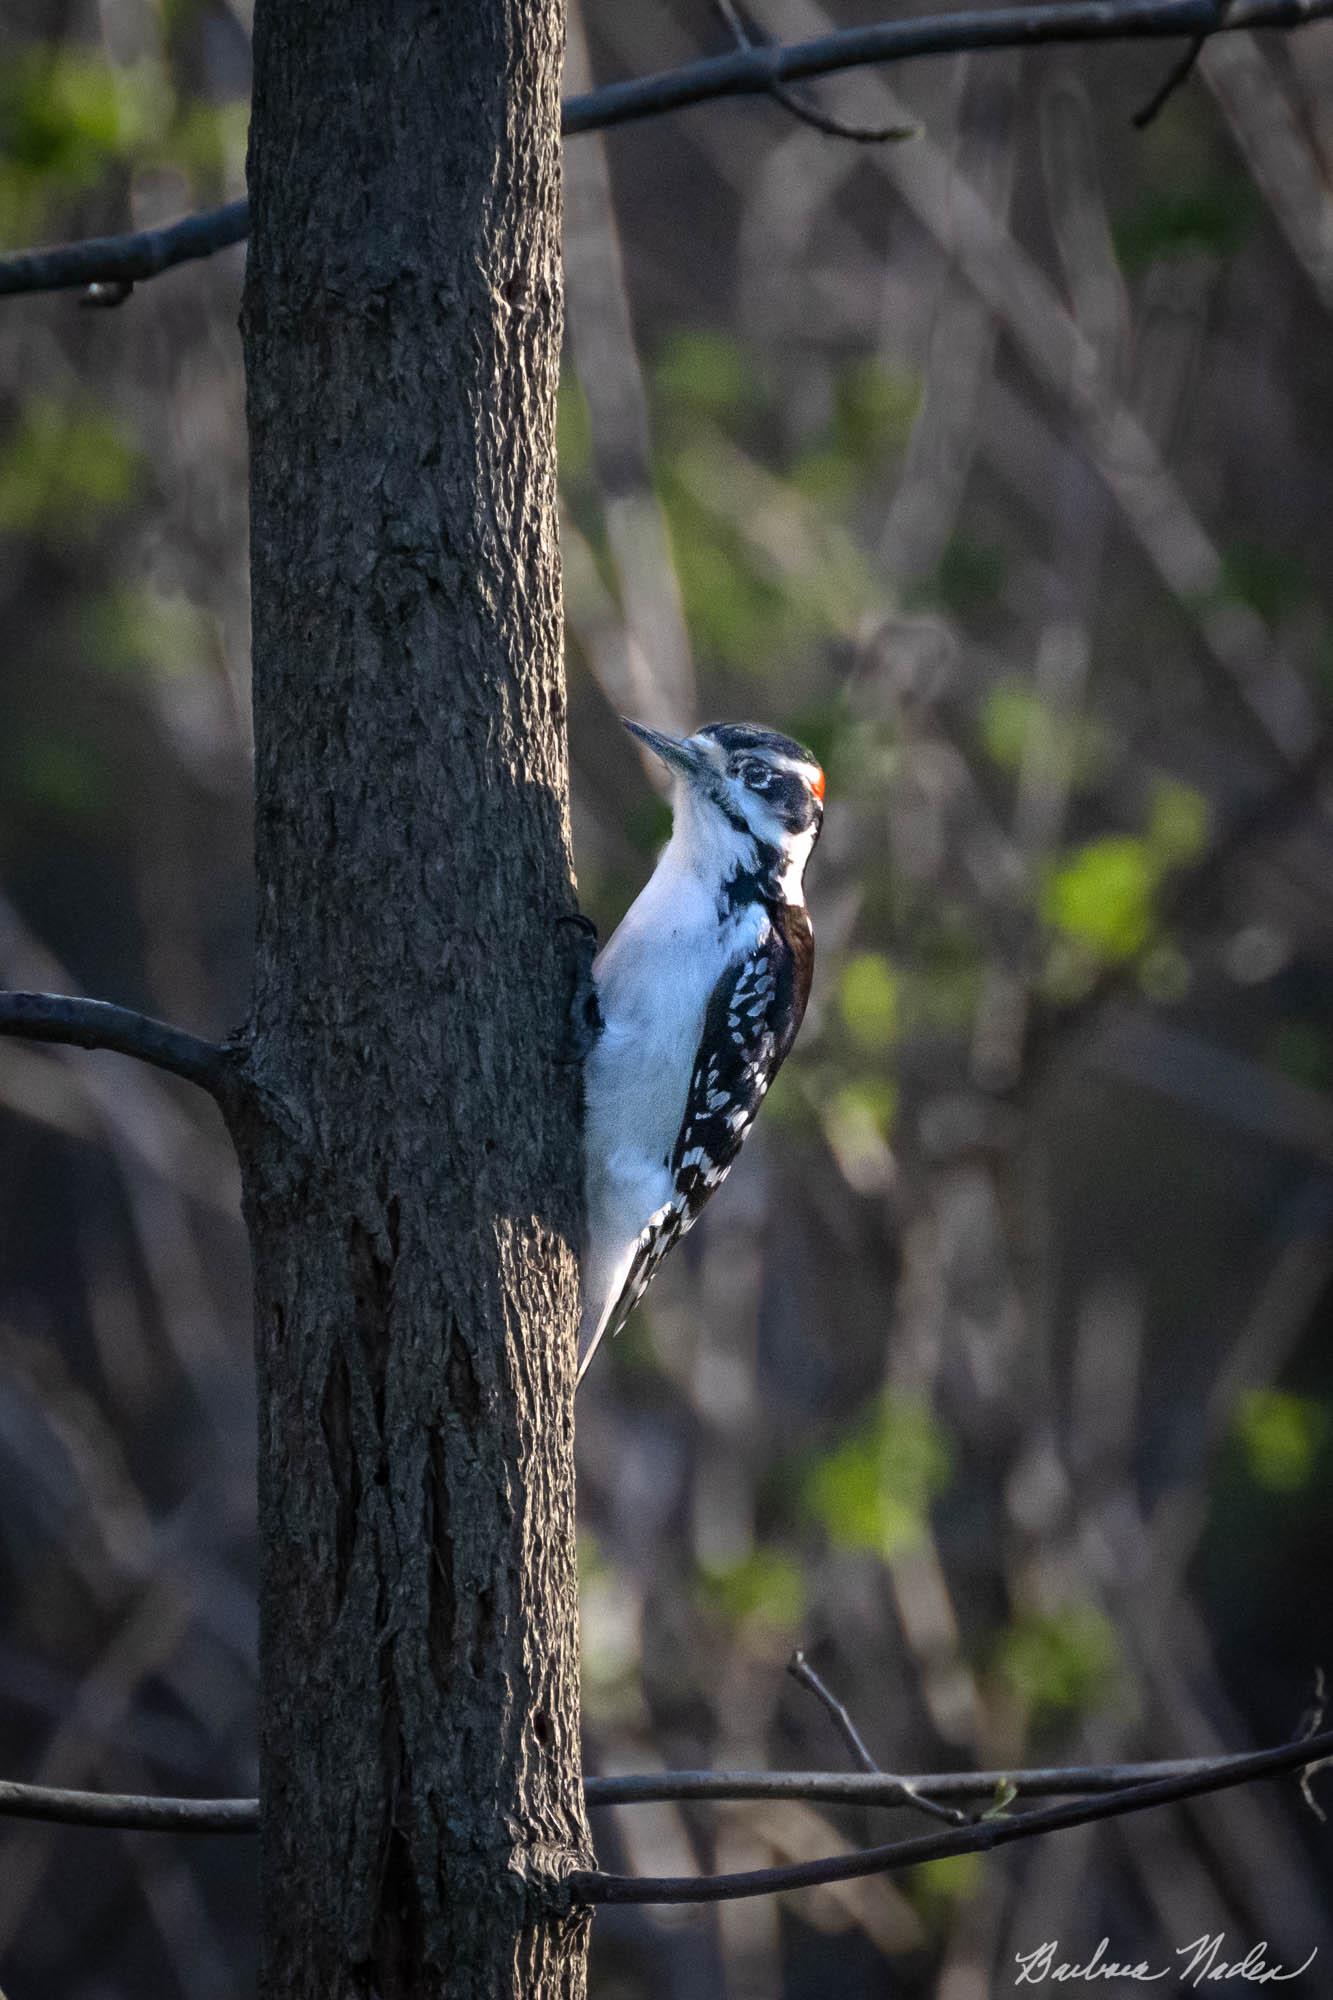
(997, 464)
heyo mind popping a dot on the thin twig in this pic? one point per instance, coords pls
(1311, 1723)
(979, 1837)
(1179, 72)
(809, 114)
(749, 72)
(802, 1672)
(96, 1024)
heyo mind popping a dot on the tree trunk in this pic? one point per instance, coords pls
(411, 1179)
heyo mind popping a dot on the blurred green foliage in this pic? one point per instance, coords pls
(970, 576)
(874, 408)
(1302, 1050)
(765, 1588)
(1269, 580)
(706, 374)
(68, 117)
(573, 430)
(869, 998)
(58, 772)
(1281, 1437)
(1213, 218)
(867, 1104)
(65, 467)
(1102, 895)
(1179, 819)
(132, 630)
(1017, 724)
(760, 533)
(1059, 1662)
(873, 1492)
(936, 1888)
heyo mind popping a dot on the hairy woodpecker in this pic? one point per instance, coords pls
(700, 993)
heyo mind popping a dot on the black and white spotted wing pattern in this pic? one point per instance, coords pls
(749, 1027)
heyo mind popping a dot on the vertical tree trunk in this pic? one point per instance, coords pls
(411, 1184)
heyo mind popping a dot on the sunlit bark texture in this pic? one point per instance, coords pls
(411, 1178)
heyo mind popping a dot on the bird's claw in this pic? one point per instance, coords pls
(584, 1012)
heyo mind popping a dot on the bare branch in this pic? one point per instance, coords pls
(111, 265)
(1179, 72)
(978, 1838)
(125, 1809)
(851, 1788)
(802, 1672)
(809, 114)
(748, 72)
(96, 1024)
(753, 71)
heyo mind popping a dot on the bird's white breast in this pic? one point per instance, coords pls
(654, 979)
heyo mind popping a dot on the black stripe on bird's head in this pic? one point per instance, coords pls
(764, 788)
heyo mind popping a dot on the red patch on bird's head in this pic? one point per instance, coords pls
(817, 783)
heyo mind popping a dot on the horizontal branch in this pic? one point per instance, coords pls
(591, 1886)
(128, 1809)
(881, 1788)
(754, 71)
(124, 260)
(850, 1788)
(96, 1024)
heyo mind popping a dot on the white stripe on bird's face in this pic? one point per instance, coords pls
(745, 809)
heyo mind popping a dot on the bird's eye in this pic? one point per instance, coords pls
(755, 773)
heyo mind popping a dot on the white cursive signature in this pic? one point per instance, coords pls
(1203, 1962)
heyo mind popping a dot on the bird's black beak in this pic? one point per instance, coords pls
(675, 754)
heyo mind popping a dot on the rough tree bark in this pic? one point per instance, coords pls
(411, 1179)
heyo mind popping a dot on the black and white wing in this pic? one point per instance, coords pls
(749, 1026)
